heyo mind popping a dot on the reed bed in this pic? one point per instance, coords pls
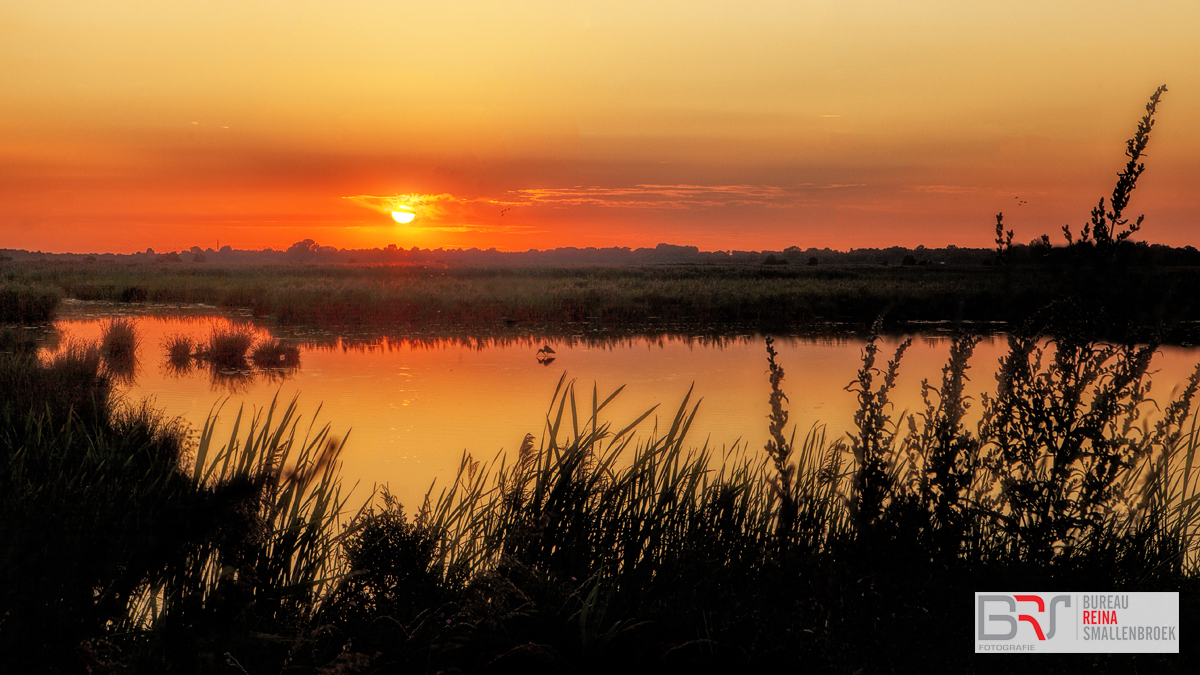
(840, 555)
(28, 302)
(598, 545)
(617, 296)
(126, 536)
(592, 501)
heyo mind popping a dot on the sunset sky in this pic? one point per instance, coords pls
(726, 125)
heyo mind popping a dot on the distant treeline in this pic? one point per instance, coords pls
(1035, 252)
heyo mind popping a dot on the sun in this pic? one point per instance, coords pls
(404, 216)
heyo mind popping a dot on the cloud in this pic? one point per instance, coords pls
(943, 189)
(672, 196)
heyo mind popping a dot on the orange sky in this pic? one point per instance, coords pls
(126, 124)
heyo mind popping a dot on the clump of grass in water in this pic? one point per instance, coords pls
(179, 348)
(229, 354)
(181, 351)
(120, 339)
(272, 353)
(118, 347)
(65, 382)
(227, 348)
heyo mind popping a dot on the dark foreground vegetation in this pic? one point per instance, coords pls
(130, 548)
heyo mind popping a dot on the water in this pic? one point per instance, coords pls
(408, 408)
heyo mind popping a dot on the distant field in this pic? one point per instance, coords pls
(773, 298)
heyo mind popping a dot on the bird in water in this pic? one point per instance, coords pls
(545, 350)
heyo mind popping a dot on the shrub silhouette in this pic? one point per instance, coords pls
(1109, 227)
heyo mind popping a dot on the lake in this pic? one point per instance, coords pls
(408, 407)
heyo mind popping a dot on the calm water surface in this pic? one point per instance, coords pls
(408, 408)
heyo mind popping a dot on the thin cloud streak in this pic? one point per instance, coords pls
(944, 189)
(676, 196)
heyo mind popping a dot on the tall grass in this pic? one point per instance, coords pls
(591, 500)
(28, 303)
(580, 530)
(260, 584)
(94, 506)
(1059, 473)
(838, 555)
(124, 537)
(302, 495)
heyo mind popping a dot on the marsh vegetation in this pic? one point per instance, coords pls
(600, 542)
(653, 300)
(234, 355)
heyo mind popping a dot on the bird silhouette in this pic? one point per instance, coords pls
(545, 350)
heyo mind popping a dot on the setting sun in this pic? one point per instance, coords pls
(403, 216)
